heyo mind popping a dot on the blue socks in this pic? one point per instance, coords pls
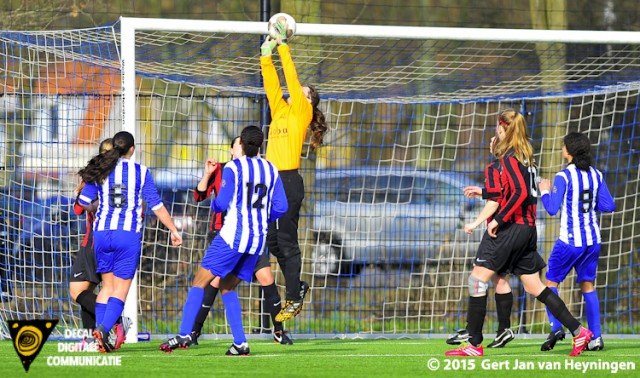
(593, 313)
(190, 310)
(234, 316)
(555, 324)
(100, 310)
(112, 312)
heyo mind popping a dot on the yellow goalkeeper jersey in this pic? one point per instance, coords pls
(289, 123)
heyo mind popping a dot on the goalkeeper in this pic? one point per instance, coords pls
(291, 119)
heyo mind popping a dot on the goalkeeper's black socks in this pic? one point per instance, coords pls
(559, 310)
(210, 294)
(504, 302)
(273, 304)
(87, 302)
(475, 319)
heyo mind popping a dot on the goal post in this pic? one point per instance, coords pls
(410, 112)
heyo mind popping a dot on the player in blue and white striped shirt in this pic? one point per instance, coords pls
(120, 186)
(252, 194)
(580, 190)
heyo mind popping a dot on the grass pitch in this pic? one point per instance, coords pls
(338, 358)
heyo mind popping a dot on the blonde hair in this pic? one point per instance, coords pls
(515, 138)
(105, 145)
(101, 165)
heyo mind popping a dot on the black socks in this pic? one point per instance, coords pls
(557, 307)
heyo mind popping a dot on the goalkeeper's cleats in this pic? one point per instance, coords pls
(466, 350)
(293, 307)
(596, 344)
(102, 339)
(290, 309)
(552, 339)
(176, 342)
(238, 350)
(461, 336)
(281, 337)
(304, 289)
(267, 46)
(502, 339)
(581, 341)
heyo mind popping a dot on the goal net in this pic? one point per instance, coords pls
(410, 114)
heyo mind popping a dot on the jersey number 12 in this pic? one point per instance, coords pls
(261, 190)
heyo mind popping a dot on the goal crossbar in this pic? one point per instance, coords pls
(385, 31)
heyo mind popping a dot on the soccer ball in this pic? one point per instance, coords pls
(291, 25)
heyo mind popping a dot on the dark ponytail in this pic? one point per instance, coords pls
(101, 165)
(579, 146)
(251, 139)
(318, 123)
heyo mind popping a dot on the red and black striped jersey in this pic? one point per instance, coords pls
(91, 217)
(519, 192)
(213, 187)
(492, 188)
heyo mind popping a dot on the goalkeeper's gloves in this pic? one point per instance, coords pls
(267, 46)
(281, 28)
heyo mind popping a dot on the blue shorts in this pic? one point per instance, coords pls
(564, 257)
(221, 260)
(117, 252)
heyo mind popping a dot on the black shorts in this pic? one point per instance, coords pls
(211, 234)
(514, 250)
(263, 261)
(84, 267)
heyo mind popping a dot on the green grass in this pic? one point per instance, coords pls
(329, 358)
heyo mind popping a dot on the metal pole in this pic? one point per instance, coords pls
(265, 120)
(128, 94)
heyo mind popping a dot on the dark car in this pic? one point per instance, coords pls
(48, 230)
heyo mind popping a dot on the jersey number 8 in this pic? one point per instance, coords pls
(116, 197)
(586, 198)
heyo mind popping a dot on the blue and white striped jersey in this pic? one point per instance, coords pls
(120, 197)
(580, 194)
(252, 194)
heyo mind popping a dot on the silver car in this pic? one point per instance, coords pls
(387, 215)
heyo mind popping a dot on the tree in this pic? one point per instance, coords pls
(551, 15)
(46, 14)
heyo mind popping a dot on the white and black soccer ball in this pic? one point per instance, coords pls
(291, 25)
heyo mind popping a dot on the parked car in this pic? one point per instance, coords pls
(47, 229)
(387, 215)
(8, 220)
(176, 188)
